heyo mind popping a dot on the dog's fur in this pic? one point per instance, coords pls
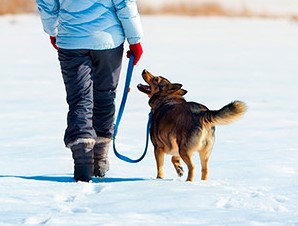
(181, 128)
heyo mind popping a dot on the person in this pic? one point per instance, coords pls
(89, 36)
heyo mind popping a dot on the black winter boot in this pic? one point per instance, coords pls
(101, 151)
(83, 156)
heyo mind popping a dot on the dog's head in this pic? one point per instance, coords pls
(160, 86)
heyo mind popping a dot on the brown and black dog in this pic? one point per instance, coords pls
(180, 128)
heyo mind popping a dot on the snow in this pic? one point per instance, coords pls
(254, 164)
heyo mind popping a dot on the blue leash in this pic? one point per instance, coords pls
(120, 113)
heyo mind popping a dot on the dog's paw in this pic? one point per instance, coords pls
(180, 171)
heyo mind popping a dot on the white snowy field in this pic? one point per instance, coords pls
(254, 165)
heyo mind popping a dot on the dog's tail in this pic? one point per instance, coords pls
(225, 115)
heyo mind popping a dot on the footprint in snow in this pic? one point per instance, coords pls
(37, 220)
(90, 188)
(281, 199)
(81, 210)
(69, 199)
(224, 203)
(65, 198)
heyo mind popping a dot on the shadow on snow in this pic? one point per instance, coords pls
(69, 178)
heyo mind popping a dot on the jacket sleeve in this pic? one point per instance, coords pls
(129, 17)
(49, 10)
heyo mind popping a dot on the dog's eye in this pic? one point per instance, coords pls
(155, 80)
(162, 85)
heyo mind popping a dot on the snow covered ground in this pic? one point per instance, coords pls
(254, 164)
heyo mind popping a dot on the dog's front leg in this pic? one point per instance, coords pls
(159, 157)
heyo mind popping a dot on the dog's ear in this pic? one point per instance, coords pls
(181, 92)
(174, 87)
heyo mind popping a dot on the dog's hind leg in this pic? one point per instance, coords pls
(204, 156)
(187, 158)
(159, 157)
(177, 164)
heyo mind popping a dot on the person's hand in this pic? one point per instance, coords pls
(136, 50)
(53, 42)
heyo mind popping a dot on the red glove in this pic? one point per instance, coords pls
(53, 42)
(136, 50)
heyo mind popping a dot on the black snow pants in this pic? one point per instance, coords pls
(91, 78)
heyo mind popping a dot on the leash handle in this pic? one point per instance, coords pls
(120, 113)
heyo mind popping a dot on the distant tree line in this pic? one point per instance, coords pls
(17, 6)
(189, 8)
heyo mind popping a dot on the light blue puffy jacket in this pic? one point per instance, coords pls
(91, 24)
